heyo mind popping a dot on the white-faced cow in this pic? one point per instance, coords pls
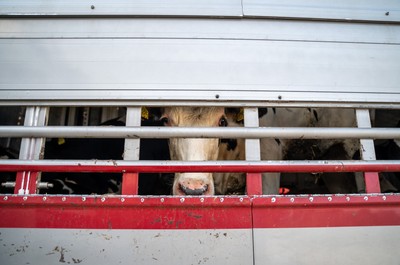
(194, 149)
(271, 149)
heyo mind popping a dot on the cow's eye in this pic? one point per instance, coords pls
(164, 120)
(223, 122)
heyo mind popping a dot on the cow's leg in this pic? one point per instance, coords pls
(271, 149)
(270, 183)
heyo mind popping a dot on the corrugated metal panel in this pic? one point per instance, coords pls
(187, 70)
(359, 10)
(366, 10)
(200, 28)
(231, 8)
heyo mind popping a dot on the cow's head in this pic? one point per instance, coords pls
(194, 149)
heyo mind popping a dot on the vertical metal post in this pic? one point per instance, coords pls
(71, 116)
(31, 148)
(367, 151)
(130, 181)
(253, 180)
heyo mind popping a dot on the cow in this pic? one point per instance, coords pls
(271, 149)
(388, 149)
(105, 149)
(279, 149)
(196, 149)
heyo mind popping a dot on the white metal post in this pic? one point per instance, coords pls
(253, 180)
(31, 149)
(370, 183)
(130, 181)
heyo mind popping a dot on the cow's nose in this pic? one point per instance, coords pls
(193, 191)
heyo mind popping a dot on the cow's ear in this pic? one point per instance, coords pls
(151, 113)
(236, 114)
(262, 112)
(145, 113)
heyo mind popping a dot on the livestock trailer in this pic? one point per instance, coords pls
(60, 60)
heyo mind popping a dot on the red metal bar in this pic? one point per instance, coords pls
(125, 212)
(372, 184)
(135, 212)
(326, 211)
(254, 184)
(130, 184)
(250, 167)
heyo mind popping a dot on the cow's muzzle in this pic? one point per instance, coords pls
(193, 191)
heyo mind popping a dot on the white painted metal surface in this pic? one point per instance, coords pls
(195, 28)
(190, 70)
(364, 10)
(121, 7)
(117, 59)
(202, 132)
(31, 148)
(104, 246)
(328, 246)
(132, 146)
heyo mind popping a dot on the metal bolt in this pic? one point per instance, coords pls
(291, 199)
(311, 199)
(142, 200)
(330, 199)
(387, 14)
(162, 199)
(63, 199)
(103, 199)
(83, 199)
(384, 198)
(221, 199)
(241, 199)
(201, 199)
(122, 199)
(273, 200)
(182, 199)
(365, 198)
(348, 199)
(44, 199)
(5, 198)
(92, 7)
(217, 96)
(279, 97)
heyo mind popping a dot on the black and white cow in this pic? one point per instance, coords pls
(105, 149)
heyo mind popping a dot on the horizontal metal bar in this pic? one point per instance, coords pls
(198, 132)
(124, 166)
(384, 104)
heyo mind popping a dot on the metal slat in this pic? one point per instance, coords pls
(37, 8)
(252, 148)
(130, 181)
(200, 166)
(212, 29)
(367, 151)
(366, 10)
(200, 132)
(31, 148)
(101, 70)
